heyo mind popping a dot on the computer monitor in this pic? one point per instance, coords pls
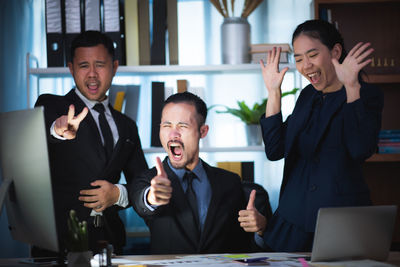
(26, 184)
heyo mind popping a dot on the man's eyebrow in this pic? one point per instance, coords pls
(308, 51)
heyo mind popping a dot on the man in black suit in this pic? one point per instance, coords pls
(180, 220)
(90, 144)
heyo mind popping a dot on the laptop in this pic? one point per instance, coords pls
(351, 233)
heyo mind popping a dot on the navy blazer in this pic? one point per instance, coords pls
(172, 226)
(347, 136)
(78, 162)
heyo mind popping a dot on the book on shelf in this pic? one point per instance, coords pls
(245, 169)
(144, 32)
(387, 144)
(260, 51)
(131, 32)
(172, 27)
(157, 101)
(388, 149)
(182, 85)
(389, 134)
(157, 49)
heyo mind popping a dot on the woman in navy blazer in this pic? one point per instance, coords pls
(333, 129)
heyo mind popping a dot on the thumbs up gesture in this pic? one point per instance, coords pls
(250, 219)
(160, 189)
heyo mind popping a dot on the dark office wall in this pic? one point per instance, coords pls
(15, 35)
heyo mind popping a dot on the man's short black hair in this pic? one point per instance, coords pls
(90, 39)
(192, 99)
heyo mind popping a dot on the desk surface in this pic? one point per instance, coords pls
(394, 259)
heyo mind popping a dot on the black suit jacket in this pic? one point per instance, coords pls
(172, 226)
(78, 162)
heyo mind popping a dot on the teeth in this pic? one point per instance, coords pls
(312, 74)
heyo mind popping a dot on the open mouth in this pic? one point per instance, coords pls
(314, 76)
(92, 86)
(176, 147)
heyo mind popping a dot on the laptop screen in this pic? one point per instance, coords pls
(353, 233)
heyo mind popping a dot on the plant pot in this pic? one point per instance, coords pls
(79, 259)
(253, 134)
(235, 41)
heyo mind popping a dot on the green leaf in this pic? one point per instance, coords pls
(247, 115)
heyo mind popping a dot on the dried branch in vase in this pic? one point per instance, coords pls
(248, 7)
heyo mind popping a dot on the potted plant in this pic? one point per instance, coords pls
(251, 116)
(79, 254)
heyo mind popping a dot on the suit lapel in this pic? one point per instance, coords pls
(181, 207)
(216, 190)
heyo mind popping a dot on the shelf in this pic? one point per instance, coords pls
(384, 158)
(383, 78)
(211, 149)
(160, 70)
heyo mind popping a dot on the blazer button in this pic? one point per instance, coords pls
(313, 187)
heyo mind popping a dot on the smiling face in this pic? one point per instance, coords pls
(93, 70)
(180, 134)
(314, 61)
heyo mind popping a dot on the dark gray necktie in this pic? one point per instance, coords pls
(191, 197)
(105, 130)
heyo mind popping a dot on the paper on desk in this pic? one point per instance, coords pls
(355, 263)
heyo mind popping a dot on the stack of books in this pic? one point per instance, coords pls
(260, 51)
(389, 142)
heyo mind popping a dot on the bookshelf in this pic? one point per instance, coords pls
(375, 21)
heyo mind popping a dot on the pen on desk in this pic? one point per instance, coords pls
(249, 260)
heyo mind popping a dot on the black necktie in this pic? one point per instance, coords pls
(191, 196)
(105, 129)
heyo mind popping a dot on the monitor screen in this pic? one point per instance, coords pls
(26, 183)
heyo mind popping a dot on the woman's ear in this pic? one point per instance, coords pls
(336, 51)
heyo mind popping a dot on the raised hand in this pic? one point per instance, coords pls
(272, 76)
(67, 125)
(160, 190)
(347, 72)
(250, 219)
(105, 195)
(273, 80)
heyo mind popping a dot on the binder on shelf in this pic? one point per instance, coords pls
(131, 32)
(172, 27)
(73, 27)
(157, 100)
(119, 100)
(54, 34)
(245, 169)
(92, 21)
(144, 32)
(113, 20)
(157, 52)
(130, 101)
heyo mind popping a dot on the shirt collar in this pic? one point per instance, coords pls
(90, 103)
(198, 170)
